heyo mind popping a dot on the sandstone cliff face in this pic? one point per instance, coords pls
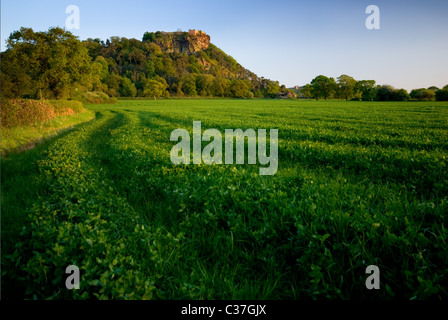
(183, 42)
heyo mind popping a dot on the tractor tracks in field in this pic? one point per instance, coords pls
(129, 157)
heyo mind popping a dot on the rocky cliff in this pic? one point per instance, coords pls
(182, 42)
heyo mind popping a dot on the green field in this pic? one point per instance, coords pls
(358, 184)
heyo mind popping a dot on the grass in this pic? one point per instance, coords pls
(358, 184)
(26, 122)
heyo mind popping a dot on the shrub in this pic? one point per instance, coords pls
(23, 112)
(97, 97)
(61, 106)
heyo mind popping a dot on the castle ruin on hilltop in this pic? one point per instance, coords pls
(192, 32)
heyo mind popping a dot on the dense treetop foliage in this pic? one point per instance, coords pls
(55, 64)
(348, 88)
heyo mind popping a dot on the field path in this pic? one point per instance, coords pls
(358, 184)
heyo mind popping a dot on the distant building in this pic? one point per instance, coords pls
(195, 32)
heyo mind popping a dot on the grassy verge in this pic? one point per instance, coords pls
(21, 185)
(21, 137)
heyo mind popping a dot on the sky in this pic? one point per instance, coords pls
(290, 41)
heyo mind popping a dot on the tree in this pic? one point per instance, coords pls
(305, 91)
(423, 94)
(55, 64)
(272, 88)
(433, 88)
(204, 84)
(239, 88)
(346, 86)
(366, 88)
(385, 93)
(100, 73)
(113, 83)
(220, 86)
(127, 88)
(189, 85)
(149, 36)
(401, 95)
(94, 46)
(154, 88)
(429, 95)
(322, 86)
(192, 73)
(150, 69)
(194, 66)
(442, 94)
(52, 64)
(16, 79)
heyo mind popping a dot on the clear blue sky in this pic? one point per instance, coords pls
(289, 41)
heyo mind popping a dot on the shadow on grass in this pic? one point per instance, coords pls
(21, 184)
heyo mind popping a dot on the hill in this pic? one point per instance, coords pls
(57, 65)
(184, 63)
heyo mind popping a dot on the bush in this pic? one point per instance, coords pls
(97, 97)
(61, 105)
(23, 112)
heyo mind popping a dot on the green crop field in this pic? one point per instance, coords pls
(358, 184)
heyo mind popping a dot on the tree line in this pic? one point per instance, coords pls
(346, 87)
(56, 65)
